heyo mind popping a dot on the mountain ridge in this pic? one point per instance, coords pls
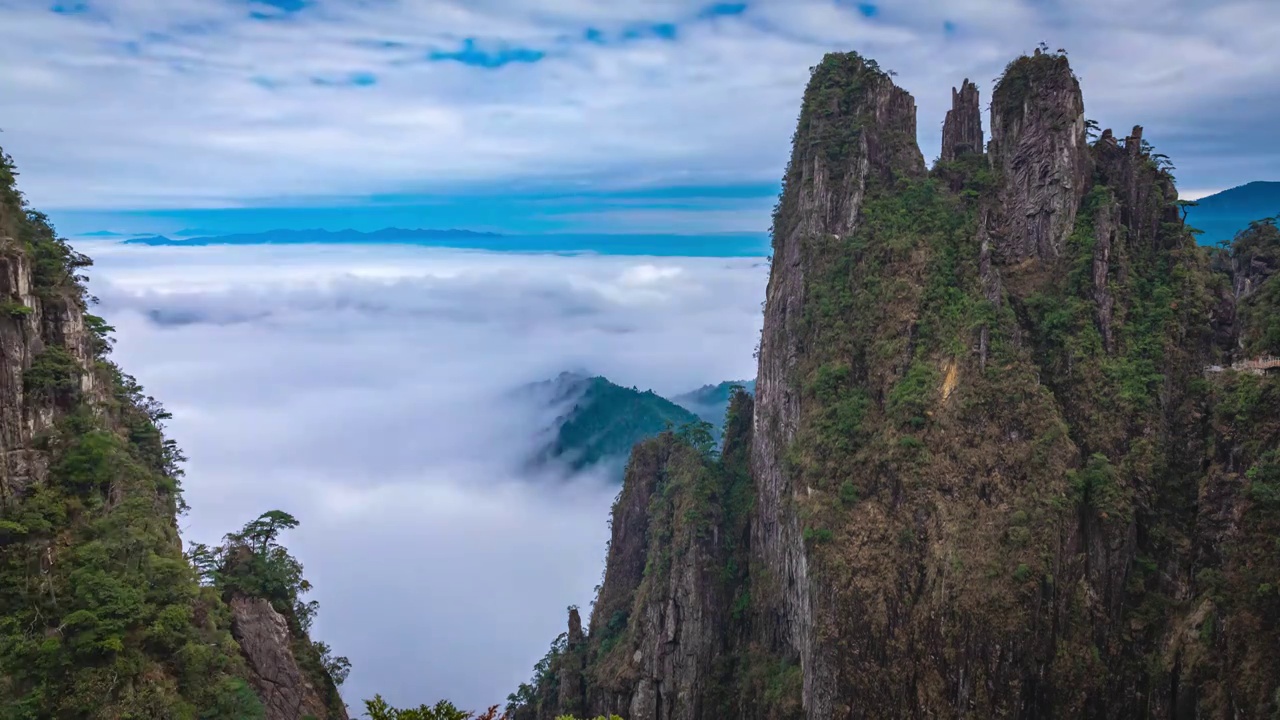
(985, 472)
(290, 237)
(1225, 214)
(602, 421)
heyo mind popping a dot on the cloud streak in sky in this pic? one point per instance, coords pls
(366, 391)
(146, 104)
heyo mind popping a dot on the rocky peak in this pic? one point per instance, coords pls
(962, 129)
(857, 131)
(266, 643)
(1038, 143)
(1145, 194)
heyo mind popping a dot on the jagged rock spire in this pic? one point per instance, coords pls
(1038, 142)
(962, 130)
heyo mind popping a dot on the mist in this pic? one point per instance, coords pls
(367, 391)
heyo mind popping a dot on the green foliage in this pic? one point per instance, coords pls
(1096, 486)
(1021, 76)
(613, 630)
(832, 100)
(849, 494)
(699, 435)
(115, 599)
(817, 536)
(1264, 481)
(839, 426)
(608, 420)
(911, 397)
(378, 709)
(15, 309)
(253, 563)
(100, 615)
(54, 375)
(1021, 573)
(1259, 313)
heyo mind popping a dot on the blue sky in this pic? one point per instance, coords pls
(556, 116)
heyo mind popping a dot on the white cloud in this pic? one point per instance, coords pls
(141, 103)
(365, 391)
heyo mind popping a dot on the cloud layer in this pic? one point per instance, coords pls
(366, 392)
(146, 104)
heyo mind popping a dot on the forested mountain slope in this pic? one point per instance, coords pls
(989, 471)
(101, 614)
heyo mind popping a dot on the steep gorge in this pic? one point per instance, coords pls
(986, 473)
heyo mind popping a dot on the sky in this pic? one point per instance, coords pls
(561, 115)
(368, 392)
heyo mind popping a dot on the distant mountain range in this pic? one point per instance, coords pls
(298, 237)
(1224, 214)
(602, 421)
(653, 244)
(1220, 216)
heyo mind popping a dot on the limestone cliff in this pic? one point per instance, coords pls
(996, 467)
(962, 128)
(1038, 143)
(286, 690)
(101, 614)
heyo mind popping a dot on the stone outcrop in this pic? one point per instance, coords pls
(31, 324)
(572, 699)
(1038, 143)
(851, 105)
(1146, 196)
(989, 476)
(662, 605)
(266, 643)
(962, 129)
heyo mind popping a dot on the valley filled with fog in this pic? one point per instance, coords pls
(367, 391)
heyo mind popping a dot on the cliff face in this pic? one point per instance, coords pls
(962, 128)
(669, 634)
(857, 129)
(266, 642)
(101, 615)
(1038, 143)
(993, 472)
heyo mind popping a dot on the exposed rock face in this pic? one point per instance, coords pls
(116, 625)
(1038, 143)
(962, 130)
(990, 476)
(1146, 195)
(56, 321)
(670, 602)
(1254, 290)
(572, 692)
(856, 128)
(265, 641)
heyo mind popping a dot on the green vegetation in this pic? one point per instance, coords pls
(1023, 77)
(608, 420)
(54, 375)
(252, 563)
(15, 309)
(1257, 252)
(100, 614)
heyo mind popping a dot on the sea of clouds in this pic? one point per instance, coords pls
(367, 392)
